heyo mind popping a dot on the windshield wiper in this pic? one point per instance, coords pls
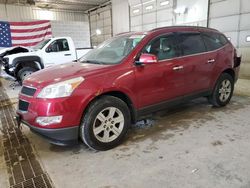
(93, 62)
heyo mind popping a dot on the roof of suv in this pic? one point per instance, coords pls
(171, 29)
(183, 28)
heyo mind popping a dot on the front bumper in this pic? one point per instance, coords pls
(61, 136)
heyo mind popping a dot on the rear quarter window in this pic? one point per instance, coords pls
(214, 41)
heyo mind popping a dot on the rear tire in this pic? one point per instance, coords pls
(105, 123)
(223, 91)
(24, 72)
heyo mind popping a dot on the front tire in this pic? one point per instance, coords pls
(223, 91)
(24, 72)
(105, 123)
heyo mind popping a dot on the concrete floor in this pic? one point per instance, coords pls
(192, 145)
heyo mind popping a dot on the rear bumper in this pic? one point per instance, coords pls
(61, 136)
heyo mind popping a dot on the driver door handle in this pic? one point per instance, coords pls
(211, 60)
(67, 54)
(176, 68)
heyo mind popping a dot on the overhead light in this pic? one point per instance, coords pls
(180, 10)
(149, 7)
(45, 14)
(148, 2)
(163, 3)
(248, 38)
(136, 11)
(98, 32)
(138, 5)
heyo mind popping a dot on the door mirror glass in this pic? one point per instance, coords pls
(148, 58)
(48, 49)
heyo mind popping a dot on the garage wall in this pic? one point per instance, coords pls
(149, 14)
(63, 23)
(78, 31)
(146, 15)
(232, 17)
(100, 19)
(19, 13)
(195, 12)
(120, 16)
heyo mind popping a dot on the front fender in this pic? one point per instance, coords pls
(36, 59)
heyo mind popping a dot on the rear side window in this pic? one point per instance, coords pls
(214, 41)
(191, 43)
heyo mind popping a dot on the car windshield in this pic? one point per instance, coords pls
(40, 45)
(113, 50)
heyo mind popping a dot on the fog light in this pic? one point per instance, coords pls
(44, 121)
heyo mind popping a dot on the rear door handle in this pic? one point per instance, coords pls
(211, 60)
(67, 54)
(176, 68)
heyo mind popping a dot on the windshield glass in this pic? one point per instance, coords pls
(112, 51)
(40, 45)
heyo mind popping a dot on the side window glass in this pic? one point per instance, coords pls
(65, 46)
(58, 46)
(214, 41)
(191, 43)
(223, 39)
(164, 47)
(52, 47)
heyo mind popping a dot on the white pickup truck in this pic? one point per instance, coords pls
(20, 62)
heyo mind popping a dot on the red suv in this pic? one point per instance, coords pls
(125, 78)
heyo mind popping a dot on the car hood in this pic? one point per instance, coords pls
(23, 54)
(63, 72)
(13, 50)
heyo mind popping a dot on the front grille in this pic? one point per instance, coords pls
(28, 91)
(23, 106)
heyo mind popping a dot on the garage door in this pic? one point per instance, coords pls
(100, 25)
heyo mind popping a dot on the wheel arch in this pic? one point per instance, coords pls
(230, 72)
(29, 61)
(118, 94)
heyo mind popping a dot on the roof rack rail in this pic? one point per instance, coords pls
(183, 26)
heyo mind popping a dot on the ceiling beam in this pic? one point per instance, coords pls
(65, 2)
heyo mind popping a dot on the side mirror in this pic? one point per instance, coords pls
(147, 59)
(48, 49)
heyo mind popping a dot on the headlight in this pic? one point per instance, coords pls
(5, 60)
(61, 89)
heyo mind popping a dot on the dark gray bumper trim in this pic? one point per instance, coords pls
(61, 136)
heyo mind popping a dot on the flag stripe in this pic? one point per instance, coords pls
(28, 41)
(29, 23)
(28, 30)
(27, 44)
(30, 34)
(29, 26)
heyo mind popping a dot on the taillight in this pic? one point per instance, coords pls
(237, 59)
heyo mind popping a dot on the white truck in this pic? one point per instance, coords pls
(20, 62)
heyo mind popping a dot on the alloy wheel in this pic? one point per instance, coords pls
(108, 124)
(225, 90)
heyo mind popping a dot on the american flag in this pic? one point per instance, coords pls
(24, 33)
